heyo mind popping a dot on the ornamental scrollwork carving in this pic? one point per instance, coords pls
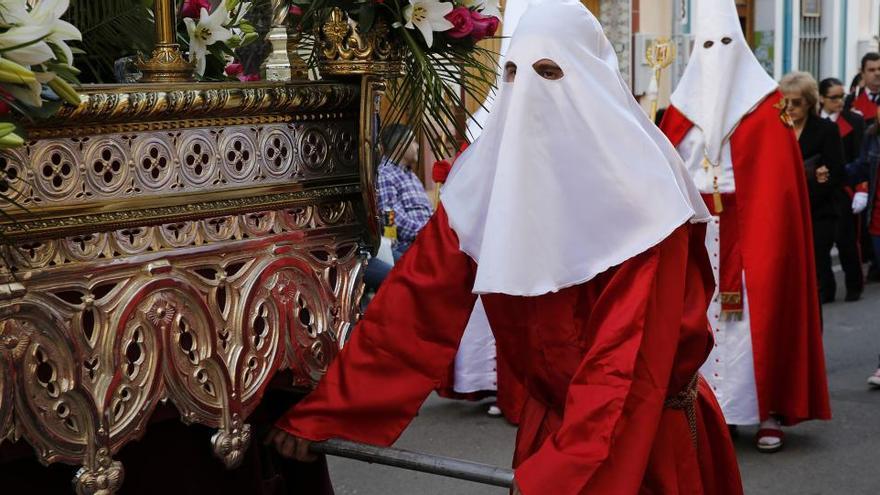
(347, 51)
(77, 171)
(180, 244)
(86, 358)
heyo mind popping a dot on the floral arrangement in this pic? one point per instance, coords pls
(442, 59)
(36, 64)
(212, 35)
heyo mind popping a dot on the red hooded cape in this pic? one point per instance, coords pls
(776, 239)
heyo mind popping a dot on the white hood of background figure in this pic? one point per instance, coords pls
(723, 81)
(569, 177)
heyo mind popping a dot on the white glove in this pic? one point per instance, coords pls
(860, 202)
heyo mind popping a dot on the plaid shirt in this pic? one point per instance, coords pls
(400, 190)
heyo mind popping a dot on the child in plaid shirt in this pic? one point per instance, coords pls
(399, 188)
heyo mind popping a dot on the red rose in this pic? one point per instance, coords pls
(440, 171)
(193, 8)
(295, 11)
(462, 22)
(234, 69)
(484, 26)
(249, 77)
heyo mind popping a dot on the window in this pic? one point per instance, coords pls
(812, 41)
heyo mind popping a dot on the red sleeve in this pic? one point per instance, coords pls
(615, 399)
(675, 125)
(401, 349)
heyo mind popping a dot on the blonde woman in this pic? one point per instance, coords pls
(822, 150)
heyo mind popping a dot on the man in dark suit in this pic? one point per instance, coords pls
(865, 99)
(851, 127)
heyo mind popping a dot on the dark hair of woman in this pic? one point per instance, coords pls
(855, 83)
(827, 84)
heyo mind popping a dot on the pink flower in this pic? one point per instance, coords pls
(234, 69)
(462, 22)
(193, 8)
(484, 26)
(249, 77)
(296, 11)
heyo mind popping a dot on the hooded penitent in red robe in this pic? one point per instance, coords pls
(609, 366)
(774, 251)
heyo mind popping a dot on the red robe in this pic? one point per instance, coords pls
(776, 243)
(509, 394)
(597, 362)
(866, 107)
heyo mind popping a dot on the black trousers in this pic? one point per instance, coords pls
(824, 232)
(847, 241)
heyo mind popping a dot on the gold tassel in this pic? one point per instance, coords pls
(708, 166)
(436, 197)
(719, 205)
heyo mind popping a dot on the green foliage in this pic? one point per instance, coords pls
(111, 29)
(430, 95)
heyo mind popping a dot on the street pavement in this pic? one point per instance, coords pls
(839, 457)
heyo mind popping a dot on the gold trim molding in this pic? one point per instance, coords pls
(156, 102)
(93, 220)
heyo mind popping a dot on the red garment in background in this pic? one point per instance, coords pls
(843, 126)
(874, 225)
(865, 106)
(597, 362)
(777, 256)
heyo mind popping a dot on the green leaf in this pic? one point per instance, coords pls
(111, 29)
(366, 18)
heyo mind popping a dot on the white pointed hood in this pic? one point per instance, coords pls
(569, 177)
(723, 82)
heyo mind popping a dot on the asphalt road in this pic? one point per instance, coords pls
(841, 456)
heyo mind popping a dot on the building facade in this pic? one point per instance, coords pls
(824, 37)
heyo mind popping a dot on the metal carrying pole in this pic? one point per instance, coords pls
(417, 461)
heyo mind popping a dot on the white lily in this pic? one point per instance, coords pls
(49, 12)
(427, 16)
(209, 30)
(31, 93)
(245, 7)
(26, 44)
(13, 12)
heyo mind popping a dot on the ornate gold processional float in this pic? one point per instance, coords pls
(184, 241)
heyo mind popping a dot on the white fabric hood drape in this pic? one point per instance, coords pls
(724, 82)
(513, 10)
(569, 177)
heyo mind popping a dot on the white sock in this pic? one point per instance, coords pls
(771, 424)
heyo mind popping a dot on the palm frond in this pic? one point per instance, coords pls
(111, 29)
